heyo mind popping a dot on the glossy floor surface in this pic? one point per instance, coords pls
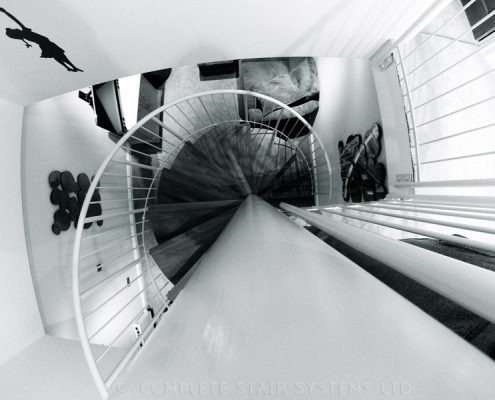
(272, 312)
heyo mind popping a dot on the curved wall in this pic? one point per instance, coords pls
(21, 322)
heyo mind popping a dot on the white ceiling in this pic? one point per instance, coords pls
(116, 38)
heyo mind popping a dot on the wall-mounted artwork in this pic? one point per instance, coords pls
(69, 194)
(47, 47)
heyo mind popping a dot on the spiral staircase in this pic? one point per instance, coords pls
(167, 190)
(180, 195)
(208, 180)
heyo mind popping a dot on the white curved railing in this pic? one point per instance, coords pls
(117, 287)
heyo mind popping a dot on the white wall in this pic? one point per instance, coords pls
(395, 129)
(21, 322)
(56, 135)
(61, 134)
(348, 104)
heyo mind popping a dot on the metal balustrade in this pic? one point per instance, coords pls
(115, 280)
(453, 205)
(465, 284)
(446, 77)
(451, 197)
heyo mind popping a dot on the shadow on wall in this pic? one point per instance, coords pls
(82, 46)
(48, 48)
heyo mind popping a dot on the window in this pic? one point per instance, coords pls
(476, 12)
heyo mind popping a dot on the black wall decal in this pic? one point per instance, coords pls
(48, 48)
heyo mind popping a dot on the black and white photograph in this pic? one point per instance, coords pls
(271, 199)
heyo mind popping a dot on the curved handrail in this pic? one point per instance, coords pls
(101, 384)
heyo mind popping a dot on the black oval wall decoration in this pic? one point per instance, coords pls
(62, 219)
(68, 181)
(81, 195)
(54, 179)
(64, 200)
(69, 195)
(84, 182)
(74, 209)
(55, 196)
(56, 229)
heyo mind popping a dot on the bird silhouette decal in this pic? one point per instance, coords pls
(48, 48)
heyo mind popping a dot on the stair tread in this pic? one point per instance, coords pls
(177, 255)
(193, 188)
(167, 224)
(208, 179)
(192, 205)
